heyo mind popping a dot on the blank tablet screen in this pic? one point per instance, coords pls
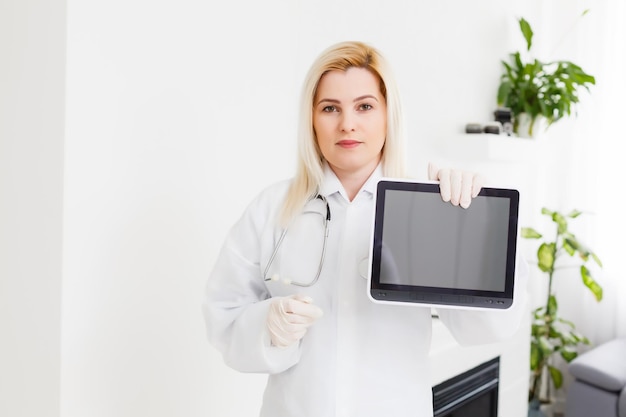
(428, 251)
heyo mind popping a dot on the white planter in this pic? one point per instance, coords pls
(552, 409)
(527, 128)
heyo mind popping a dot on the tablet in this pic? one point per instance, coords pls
(427, 252)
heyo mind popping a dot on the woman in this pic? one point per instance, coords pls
(300, 313)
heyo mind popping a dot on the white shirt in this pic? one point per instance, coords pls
(360, 359)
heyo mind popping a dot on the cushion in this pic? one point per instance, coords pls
(603, 366)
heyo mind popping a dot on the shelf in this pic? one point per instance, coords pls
(490, 147)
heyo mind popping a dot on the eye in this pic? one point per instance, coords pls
(365, 106)
(329, 109)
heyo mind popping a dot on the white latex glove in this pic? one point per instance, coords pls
(457, 187)
(289, 318)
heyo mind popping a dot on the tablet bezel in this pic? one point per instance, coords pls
(440, 297)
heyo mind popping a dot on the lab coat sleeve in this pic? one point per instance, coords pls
(479, 327)
(236, 302)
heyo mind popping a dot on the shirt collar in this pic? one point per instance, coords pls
(331, 183)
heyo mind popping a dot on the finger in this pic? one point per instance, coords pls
(313, 311)
(305, 310)
(291, 327)
(290, 322)
(477, 185)
(289, 302)
(297, 312)
(433, 170)
(444, 184)
(456, 184)
(467, 184)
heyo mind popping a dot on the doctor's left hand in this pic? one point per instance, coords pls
(457, 187)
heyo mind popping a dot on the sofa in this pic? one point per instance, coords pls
(599, 385)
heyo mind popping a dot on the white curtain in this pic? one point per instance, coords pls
(594, 171)
(609, 166)
(605, 131)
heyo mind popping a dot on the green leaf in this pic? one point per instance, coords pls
(580, 338)
(503, 92)
(590, 283)
(574, 213)
(569, 339)
(552, 306)
(535, 356)
(537, 330)
(527, 32)
(555, 334)
(568, 356)
(596, 259)
(557, 377)
(570, 246)
(567, 322)
(545, 346)
(530, 233)
(561, 222)
(545, 257)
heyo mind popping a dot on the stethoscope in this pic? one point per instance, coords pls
(326, 221)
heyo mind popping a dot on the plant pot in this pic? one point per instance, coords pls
(534, 409)
(526, 127)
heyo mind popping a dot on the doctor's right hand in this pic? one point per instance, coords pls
(289, 317)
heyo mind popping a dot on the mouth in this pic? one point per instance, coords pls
(348, 143)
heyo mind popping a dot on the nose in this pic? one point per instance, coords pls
(348, 122)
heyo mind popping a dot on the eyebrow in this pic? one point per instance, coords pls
(332, 100)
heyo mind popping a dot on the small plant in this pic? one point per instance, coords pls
(535, 88)
(551, 334)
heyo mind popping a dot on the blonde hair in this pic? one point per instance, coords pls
(310, 172)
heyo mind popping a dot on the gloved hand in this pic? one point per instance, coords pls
(458, 187)
(289, 317)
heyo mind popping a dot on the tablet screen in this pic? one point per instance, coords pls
(428, 251)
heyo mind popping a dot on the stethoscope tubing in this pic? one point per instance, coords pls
(322, 257)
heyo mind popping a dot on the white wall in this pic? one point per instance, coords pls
(32, 65)
(177, 113)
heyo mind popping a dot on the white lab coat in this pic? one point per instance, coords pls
(360, 359)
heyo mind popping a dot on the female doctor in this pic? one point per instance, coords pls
(287, 295)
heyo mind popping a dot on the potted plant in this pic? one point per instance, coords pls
(552, 335)
(535, 89)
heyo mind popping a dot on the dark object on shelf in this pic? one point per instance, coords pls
(473, 128)
(493, 128)
(504, 116)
